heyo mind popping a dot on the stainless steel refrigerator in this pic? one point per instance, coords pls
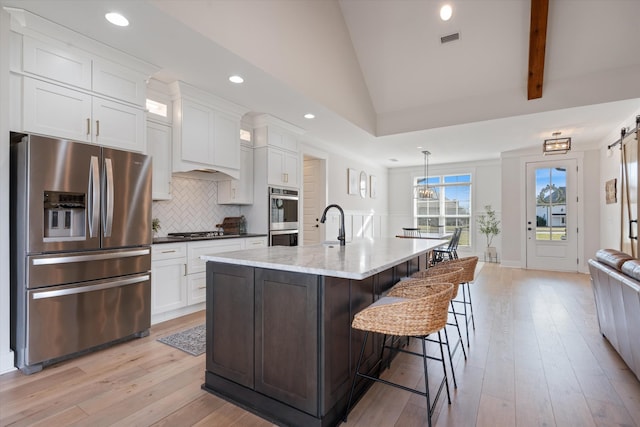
(80, 248)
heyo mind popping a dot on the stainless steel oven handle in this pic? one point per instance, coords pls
(278, 196)
(87, 258)
(108, 209)
(279, 232)
(89, 288)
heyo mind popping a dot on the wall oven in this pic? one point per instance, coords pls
(283, 217)
(283, 238)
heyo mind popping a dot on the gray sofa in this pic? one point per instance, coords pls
(615, 277)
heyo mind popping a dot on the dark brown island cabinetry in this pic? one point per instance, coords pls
(280, 343)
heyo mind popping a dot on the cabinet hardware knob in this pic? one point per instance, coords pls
(97, 127)
(88, 126)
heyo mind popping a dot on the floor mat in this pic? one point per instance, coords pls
(192, 341)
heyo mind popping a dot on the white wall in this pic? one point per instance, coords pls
(609, 162)
(364, 217)
(6, 355)
(485, 190)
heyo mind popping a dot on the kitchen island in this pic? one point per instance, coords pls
(279, 337)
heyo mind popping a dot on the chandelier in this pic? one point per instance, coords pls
(423, 191)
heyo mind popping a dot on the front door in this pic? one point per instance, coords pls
(552, 217)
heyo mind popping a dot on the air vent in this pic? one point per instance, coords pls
(450, 38)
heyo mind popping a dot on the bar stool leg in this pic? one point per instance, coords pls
(426, 378)
(473, 322)
(457, 325)
(453, 374)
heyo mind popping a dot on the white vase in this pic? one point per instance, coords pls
(491, 254)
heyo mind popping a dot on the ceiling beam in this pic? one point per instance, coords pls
(537, 44)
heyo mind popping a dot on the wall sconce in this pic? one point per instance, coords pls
(556, 145)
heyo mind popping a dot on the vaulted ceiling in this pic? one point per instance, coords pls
(378, 78)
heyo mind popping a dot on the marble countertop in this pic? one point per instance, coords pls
(357, 260)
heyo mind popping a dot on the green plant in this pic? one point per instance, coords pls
(155, 225)
(489, 224)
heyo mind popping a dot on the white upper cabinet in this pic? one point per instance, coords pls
(239, 191)
(282, 157)
(73, 87)
(62, 64)
(159, 148)
(282, 168)
(58, 111)
(205, 133)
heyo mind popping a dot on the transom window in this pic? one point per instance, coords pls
(451, 209)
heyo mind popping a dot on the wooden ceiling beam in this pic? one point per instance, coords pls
(537, 44)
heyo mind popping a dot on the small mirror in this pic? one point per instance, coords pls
(363, 184)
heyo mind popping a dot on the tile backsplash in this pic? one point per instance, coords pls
(193, 207)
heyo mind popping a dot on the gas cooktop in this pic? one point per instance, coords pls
(194, 235)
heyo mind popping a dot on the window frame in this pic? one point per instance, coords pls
(440, 188)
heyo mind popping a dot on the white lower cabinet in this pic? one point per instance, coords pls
(178, 275)
(168, 277)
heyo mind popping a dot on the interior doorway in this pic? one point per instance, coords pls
(552, 215)
(314, 199)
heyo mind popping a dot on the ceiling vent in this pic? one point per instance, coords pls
(450, 38)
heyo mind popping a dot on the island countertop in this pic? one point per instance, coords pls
(357, 260)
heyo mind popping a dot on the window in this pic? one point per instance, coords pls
(551, 204)
(451, 209)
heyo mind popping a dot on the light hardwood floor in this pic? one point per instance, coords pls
(536, 359)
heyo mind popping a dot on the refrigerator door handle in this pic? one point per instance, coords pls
(89, 288)
(108, 206)
(94, 197)
(89, 257)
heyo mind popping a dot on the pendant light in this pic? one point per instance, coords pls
(424, 192)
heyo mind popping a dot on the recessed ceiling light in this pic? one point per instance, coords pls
(236, 79)
(309, 116)
(117, 19)
(446, 12)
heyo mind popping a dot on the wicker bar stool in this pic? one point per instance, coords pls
(468, 265)
(414, 287)
(418, 317)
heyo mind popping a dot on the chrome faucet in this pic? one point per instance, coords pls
(341, 236)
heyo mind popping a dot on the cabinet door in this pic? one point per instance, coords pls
(197, 133)
(290, 169)
(168, 285)
(196, 288)
(226, 142)
(239, 191)
(286, 334)
(196, 249)
(275, 160)
(57, 63)
(230, 322)
(119, 82)
(56, 111)
(282, 167)
(119, 126)
(159, 148)
(255, 242)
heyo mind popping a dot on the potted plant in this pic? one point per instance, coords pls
(155, 225)
(489, 226)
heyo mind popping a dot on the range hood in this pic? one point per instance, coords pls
(206, 134)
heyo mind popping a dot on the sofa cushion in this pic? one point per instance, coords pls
(612, 257)
(632, 268)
